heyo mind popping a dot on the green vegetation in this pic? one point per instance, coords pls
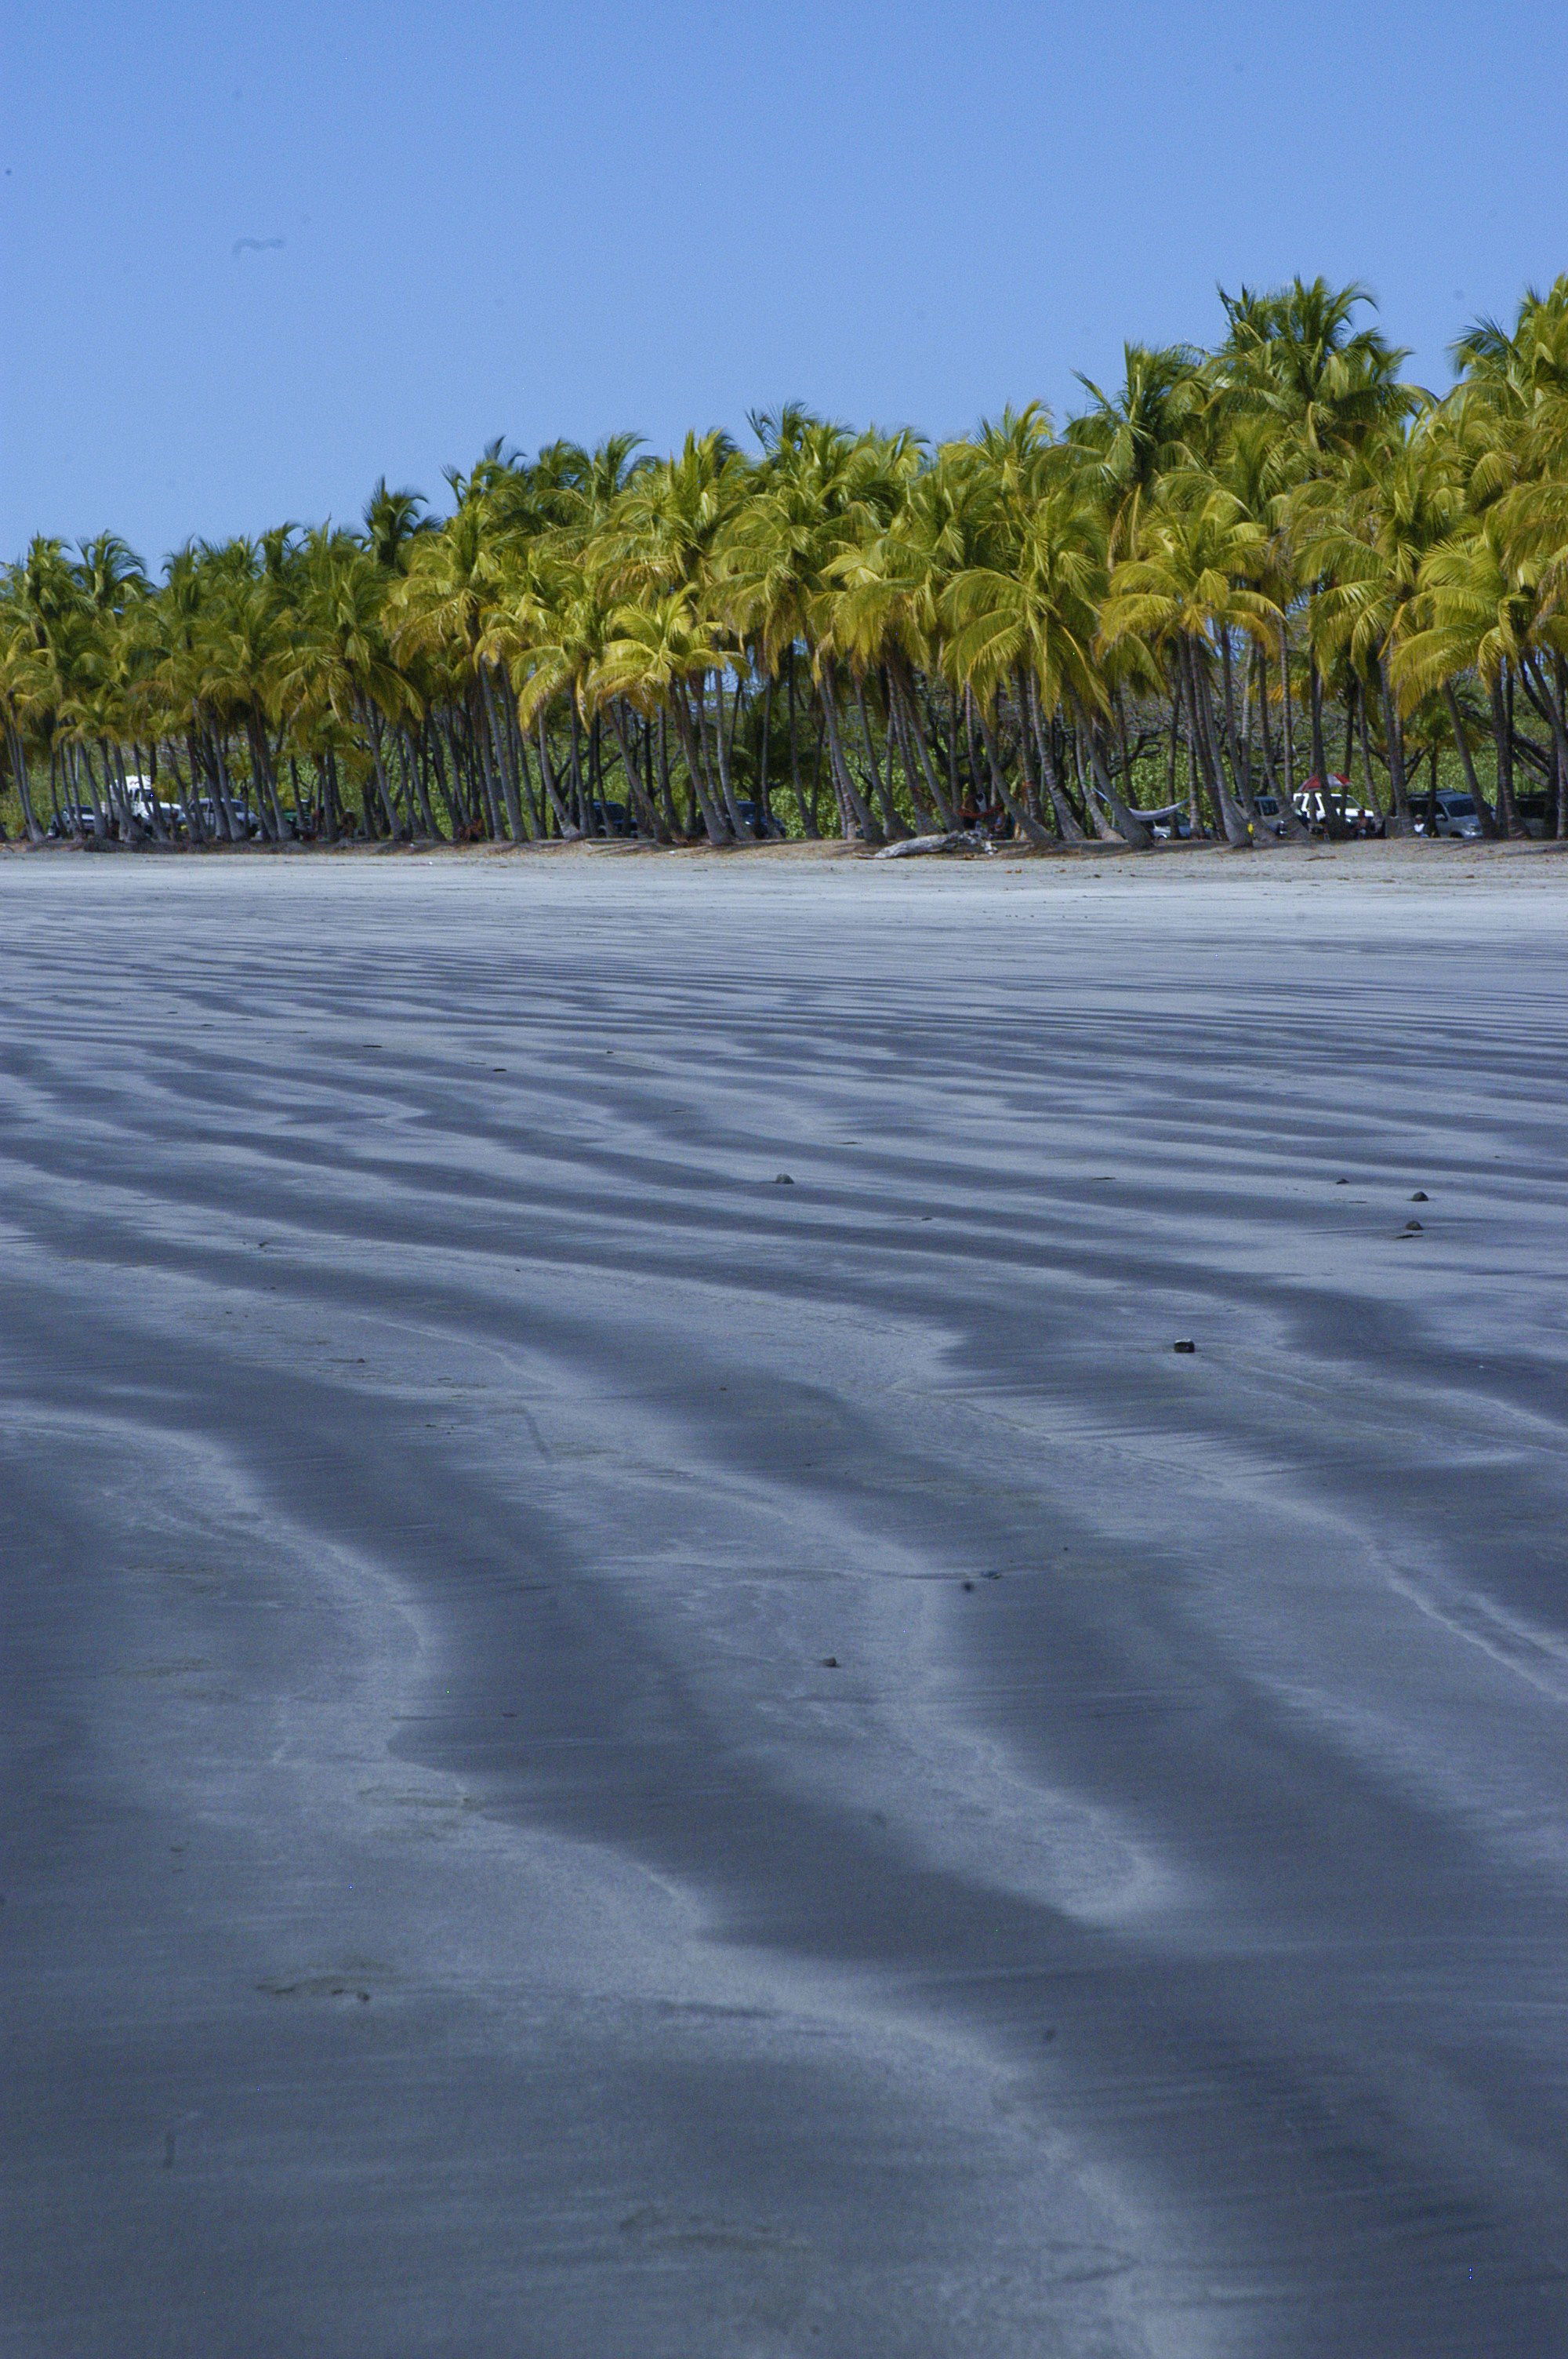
(1240, 571)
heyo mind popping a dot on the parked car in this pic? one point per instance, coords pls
(1537, 814)
(76, 818)
(148, 808)
(244, 821)
(1170, 821)
(1325, 804)
(1446, 814)
(170, 815)
(613, 819)
(760, 821)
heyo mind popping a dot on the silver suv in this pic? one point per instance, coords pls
(1455, 815)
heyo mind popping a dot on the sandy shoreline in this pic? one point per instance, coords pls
(1410, 865)
(605, 1754)
(1400, 852)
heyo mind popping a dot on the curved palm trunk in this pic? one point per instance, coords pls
(806, 809)
(533, 806)
(1291, 823)
(263, 772)
(1066, 818)
(1233, 748)
(667, 790)
(370, 720)
(222, 786)
(686, 730)
(892, 821)
(149, 772)
(741, 832)
(764, 800)
(135, 829)
(331, 797)
(552, 783)
(1232, 818)
(901, 701)
(479, 762)
(17, 751)
(207, 759)
(500, 751)
(929, 819)
(1024, 820)
(1128, 826)
(642, 801)
(1333, 820)
(1287, 715)
(186, 790)
(1365, 740)
(1092, 807)
(1503, 741)
(581, 805)
(1314, 711)
(1482, 809)
(1550, 695)
(854, 818)
(81, 762)
(416, 795)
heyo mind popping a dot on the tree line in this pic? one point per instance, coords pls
(1240, 571)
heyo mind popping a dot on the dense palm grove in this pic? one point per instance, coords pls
(1240, 573)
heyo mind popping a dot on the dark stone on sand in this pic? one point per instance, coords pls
(1184, 1344)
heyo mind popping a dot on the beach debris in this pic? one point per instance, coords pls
(1342, 1183)
(830, 1662)
(1411, 1227)
(1420, 1197)
(913, 847)
(1184, 1344)
(782, 1180)
(968, 1584)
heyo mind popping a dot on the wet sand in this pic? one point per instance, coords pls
(606, 1755)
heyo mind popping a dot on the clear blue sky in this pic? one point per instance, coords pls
(472, 219)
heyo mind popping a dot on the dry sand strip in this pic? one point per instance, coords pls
(610, 1751)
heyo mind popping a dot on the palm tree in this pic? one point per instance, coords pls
(1154, 422)
(821, 497)
(447, 601)
(1520, 369)
(1024, 614)
(1006, 624)
(1367, 532)
(1188, 589)
(341, 667)
(655, 655)
(1295, 354)
(392, 523)
(1487, 601)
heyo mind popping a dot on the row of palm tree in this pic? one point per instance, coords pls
(1240, 573)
